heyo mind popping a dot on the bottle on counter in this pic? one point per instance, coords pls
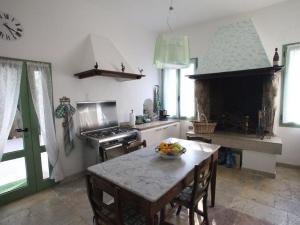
(132, 118)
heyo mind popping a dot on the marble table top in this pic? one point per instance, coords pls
(144, 173)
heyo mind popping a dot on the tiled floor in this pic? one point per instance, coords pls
(242, 199)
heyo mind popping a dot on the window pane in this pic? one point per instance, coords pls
(291, 105)
(12, 175)
(187, 95)
(170, 91)
(40, 99)
(45, 165)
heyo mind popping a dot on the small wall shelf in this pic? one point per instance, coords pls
(108, 73)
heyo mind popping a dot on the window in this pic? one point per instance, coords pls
(290, 112)
(178, 91)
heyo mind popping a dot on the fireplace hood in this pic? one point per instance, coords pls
(235, 49)
(236, 82)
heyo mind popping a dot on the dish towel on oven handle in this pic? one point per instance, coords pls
(66, 111)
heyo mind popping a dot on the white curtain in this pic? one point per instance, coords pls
(10, 79)
(291, 105)
(39, 80)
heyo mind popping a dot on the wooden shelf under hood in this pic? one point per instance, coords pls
(240, 73)
(108, 73)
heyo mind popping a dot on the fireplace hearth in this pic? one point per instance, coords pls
(239, 101)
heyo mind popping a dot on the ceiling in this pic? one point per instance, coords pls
(152, 13)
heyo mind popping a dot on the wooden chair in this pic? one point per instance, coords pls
(134, 146)
(115, 213)
(192, 194)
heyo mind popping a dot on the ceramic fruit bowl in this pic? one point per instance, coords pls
(170, 150)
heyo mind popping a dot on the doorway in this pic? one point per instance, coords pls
(24, 168)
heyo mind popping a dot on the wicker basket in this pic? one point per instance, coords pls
(204, 127)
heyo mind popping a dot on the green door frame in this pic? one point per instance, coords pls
(32, 149)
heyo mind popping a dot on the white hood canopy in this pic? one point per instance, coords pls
(234, 47)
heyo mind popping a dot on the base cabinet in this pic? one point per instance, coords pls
(155, 135)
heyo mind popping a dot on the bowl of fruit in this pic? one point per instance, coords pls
(170, 150)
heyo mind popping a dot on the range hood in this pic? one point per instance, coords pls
(101, 50)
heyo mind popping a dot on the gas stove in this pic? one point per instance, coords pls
(99, 126)
(108, 135)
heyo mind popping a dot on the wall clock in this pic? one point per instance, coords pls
(10, 27)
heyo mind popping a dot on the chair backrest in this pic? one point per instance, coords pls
(202, 177)
(109, 214)
(134, 146)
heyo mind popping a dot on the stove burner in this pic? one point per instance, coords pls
(107, 132)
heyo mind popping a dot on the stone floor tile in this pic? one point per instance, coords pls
(289, 205)
(16, 206)
(293, 219)
(259, 211)
(244, 219)
(242, 198)
(23, 217)
(258, 196)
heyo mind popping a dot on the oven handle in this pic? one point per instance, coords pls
(118, 145)
(113, 146)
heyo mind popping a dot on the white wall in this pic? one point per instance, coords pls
(56, 31)
(276, 25)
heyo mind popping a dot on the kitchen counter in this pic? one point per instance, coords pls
(154, 124)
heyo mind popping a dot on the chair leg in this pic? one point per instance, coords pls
(178, 210)
(191, 217)
(95, 221)
(205, 210)
(172, 204)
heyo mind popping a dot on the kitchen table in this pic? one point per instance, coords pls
(150, 181)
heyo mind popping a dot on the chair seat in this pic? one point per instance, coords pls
(107, 213)
(185, 195)
(130, 215)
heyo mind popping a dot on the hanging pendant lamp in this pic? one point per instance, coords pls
(171, 51)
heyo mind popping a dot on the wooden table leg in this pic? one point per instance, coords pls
(213, 182)
(162, 215)
(150, 220)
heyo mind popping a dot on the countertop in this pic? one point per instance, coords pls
(271, 145)
(154, 124)
(144, 173)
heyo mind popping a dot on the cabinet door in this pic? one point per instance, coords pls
(173, 130)
(156, 135)
(152, 136)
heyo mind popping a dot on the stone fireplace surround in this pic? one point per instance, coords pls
(238, 94)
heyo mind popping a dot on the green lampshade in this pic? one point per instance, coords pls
(171, 52)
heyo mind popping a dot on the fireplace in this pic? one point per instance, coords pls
(239, 101)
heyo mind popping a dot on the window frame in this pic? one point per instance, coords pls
(283, 80)
(178, 79)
